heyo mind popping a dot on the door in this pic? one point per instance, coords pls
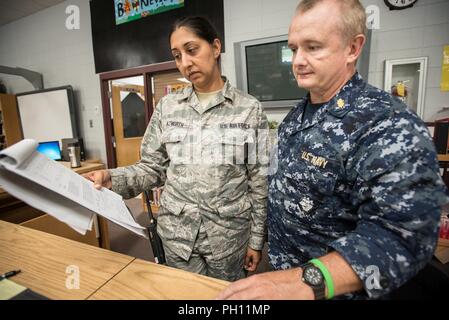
(128, 109)
(167, 82)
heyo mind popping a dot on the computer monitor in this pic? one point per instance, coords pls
(264, 70)
(50, 149)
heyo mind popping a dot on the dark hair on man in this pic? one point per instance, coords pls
(200, 26)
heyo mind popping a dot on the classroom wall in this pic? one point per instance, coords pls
(41, 43)
(419, 31)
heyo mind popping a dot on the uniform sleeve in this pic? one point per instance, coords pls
(399, 193)
(257, 182)
(150, 171)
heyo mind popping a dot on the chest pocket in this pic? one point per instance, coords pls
(174, 139)
(226, 147)
(237, 146)
(314, 180)
(322, 180)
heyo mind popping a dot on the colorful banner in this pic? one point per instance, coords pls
(130, 10)
(445, 70)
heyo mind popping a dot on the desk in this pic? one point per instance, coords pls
(15, 211)
(145, 280)
(85, 167)
(43, 259)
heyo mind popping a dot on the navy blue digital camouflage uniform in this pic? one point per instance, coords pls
(361, 178)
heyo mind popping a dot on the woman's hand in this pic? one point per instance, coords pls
(100, 178)
(252, 259)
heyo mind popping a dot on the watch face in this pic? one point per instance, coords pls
(313, 276)
(399, 4)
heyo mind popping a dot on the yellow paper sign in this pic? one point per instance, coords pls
(401, 89)
(445, 70)
(9, 289)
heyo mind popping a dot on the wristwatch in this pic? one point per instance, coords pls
(314, 278)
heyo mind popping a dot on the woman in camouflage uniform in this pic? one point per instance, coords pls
(200, 145)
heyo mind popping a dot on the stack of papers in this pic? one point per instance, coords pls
(51, 187)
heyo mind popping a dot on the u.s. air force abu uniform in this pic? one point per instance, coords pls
(362, 178)
(214, 201)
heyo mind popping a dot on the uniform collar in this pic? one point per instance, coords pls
(343, 101)
(227, 92)
(338, 106)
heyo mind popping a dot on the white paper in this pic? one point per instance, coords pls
(61, 208)
(51, 187)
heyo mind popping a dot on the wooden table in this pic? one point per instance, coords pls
(43, 259)
(85, 166)
(145, 280)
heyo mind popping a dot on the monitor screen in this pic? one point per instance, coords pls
(50, 149)
(269, 72)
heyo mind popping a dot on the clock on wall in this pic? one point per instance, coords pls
(400, 4)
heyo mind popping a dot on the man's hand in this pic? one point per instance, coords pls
(285, 284)
(100, 178)
(252, 259)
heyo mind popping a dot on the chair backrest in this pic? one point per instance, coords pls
(439, 130)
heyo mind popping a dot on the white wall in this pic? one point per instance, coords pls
(254, 19)
(422, 30)
(414, 32)
(42, 43)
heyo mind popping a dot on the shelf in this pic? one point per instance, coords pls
(443, 242)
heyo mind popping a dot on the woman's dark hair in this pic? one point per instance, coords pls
(200, 26)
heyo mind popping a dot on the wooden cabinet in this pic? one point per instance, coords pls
(47, 223)
(10, 129)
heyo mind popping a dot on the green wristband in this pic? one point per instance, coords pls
(327, 277)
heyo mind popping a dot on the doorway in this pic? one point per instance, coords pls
(129, 98)
(128, 112)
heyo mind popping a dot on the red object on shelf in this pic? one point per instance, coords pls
(444, 229)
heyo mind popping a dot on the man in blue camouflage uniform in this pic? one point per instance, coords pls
(357, 185)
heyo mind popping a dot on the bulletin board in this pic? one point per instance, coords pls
(48, 115)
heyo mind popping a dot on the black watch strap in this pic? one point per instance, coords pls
(319, 290)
